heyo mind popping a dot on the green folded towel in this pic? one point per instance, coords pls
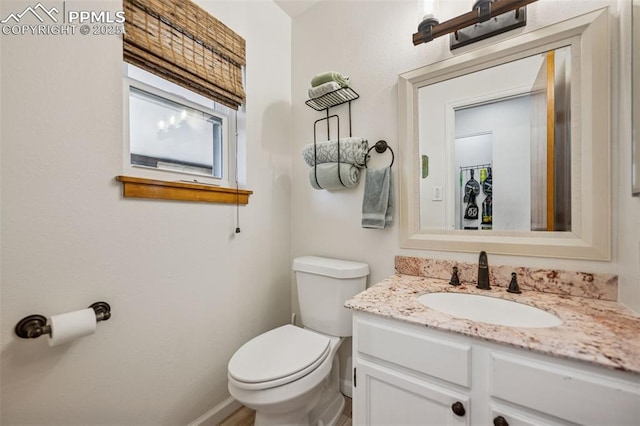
(328, 76)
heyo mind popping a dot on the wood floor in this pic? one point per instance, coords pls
(244, 416)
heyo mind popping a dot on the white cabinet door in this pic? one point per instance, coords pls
(384, 397)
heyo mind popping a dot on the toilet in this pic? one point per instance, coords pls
(290, 375)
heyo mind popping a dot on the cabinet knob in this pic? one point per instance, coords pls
(500, 421)
(458, 409)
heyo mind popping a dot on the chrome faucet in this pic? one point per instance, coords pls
(483, 272)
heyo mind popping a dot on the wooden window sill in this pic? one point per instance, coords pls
(134, 187)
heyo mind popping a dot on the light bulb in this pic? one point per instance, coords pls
(428, 9)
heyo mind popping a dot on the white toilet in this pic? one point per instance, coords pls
(290, 375)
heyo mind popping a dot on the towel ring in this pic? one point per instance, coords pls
(380, 147)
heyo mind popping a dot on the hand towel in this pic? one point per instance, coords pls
(327, 176)
(323, 89)
(352, 151)
(377, 204)
(325, 77)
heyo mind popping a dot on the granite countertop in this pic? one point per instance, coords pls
(600, 332)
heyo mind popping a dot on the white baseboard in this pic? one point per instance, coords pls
(346, 387)
(227, 407)
(218, 413)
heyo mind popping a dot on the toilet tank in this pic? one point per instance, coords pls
(324, 285)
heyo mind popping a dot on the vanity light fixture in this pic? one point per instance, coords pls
(486, 19)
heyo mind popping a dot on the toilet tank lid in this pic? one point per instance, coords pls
(336, 268)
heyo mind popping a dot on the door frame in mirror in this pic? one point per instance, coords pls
(590, 237)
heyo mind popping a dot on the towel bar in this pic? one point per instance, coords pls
(315, 139)
(34, 326)
(380, 147)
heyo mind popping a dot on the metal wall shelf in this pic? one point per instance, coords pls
(325, 103)
(331, 99)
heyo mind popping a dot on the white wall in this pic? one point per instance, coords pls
(185, 290)
(371, 42)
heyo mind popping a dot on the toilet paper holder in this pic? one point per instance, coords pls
(33, 326)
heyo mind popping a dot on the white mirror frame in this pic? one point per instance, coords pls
(590, 237)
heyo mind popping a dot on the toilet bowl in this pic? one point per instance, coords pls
(290, 375)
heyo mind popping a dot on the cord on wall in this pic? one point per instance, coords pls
(237, 186)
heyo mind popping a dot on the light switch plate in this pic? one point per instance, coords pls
(437, 193)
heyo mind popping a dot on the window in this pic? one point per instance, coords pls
(169, 130)
(183, 97)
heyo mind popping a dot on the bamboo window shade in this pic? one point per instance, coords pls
(180, 42)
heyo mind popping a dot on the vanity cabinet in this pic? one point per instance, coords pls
(390, 397)
(405, 374)
(391, 366)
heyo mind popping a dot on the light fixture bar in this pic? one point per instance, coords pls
(498, 7)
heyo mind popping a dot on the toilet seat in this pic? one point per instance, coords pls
(278, 357)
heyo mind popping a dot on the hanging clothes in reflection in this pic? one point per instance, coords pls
(487, 189)
(471, 191)
(473, 201)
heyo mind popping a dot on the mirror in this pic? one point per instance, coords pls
(635, 75)
(512, 134)
(506, 147)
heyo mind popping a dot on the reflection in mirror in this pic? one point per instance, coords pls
(504, 159)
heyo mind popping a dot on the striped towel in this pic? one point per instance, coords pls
(352, 151)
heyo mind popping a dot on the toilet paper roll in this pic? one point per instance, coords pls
(71, 325)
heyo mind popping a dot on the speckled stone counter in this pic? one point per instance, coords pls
(595, 331)
(570, 283)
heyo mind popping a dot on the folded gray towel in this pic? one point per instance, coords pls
(327, 176)
(323, 89)
(377, 203)
(352, 150)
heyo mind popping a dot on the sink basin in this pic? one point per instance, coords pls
(489, 310)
